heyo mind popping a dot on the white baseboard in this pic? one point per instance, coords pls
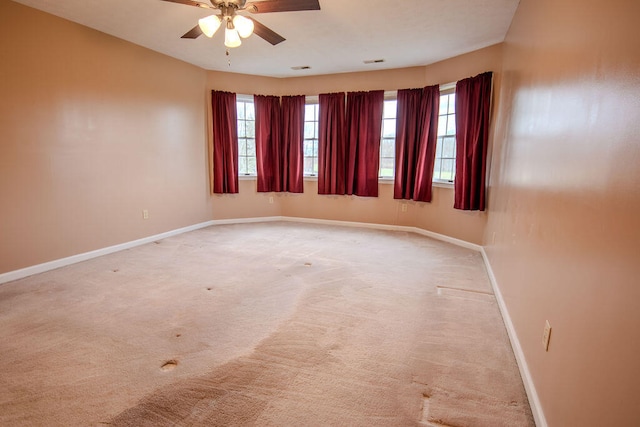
(408, 229)
(52, 265)
(534, 400)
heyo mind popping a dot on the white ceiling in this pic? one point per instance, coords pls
(335, 39)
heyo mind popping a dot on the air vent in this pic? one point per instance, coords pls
(301, 67)
(373, 61)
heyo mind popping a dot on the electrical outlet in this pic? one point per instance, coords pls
(404, 207)
(546, 336)
(271, 199)
(145, 214)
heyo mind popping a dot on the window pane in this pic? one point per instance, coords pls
(249, 111)
(447, 170)
(444, 103)
(242, 147)
(251, 129)
(389, 110)
(251, 165)
(251, 147)
(315, 166)
(309, 130)
(241, 127)
(388, 148)
(308, 146)
(242, 165)
(389, 128)
(240, 110)
(451, 125)
(308, 165)
(310, 112)
(436, 169)
(452, 104)
(449, 147)
(442, 125)
(439, 144)
(386, 166)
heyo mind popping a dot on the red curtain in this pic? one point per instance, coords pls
(268, 152)
(292, 139)
(416, 139)
(364, 121)
(473, 101)
(331, 144)
(225, 142)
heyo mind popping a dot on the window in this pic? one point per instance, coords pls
(310, 144)
(445, 164)
(246, 135)
(388, 139)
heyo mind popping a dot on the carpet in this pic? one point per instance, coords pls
(266, 324)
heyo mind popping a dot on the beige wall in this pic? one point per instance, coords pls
(437, 216)
(564, 206)
(92, 131)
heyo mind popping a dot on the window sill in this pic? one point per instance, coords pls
(443, 184)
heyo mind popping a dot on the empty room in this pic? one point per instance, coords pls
(319, 213)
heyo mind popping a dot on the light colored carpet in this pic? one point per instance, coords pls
(272, 324)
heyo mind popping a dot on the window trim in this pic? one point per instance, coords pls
(446, 89)
(246, 99)
(311, 100)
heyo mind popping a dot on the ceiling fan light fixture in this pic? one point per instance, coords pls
(231, 37)
(209, 25)
(243, 25)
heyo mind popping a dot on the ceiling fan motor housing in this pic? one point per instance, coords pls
(236, 4)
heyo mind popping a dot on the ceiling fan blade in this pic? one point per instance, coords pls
(193, 33)
(190, 3)
(266, 33)
(281, 6)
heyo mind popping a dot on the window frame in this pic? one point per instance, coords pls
(311, 100)
(246, 99)
(388, 96)
(445, 90)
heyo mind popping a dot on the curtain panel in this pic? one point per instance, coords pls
(268, 143)
(292, 140)
(331, 144)
(416, 139)
(224, 146)
(473, 102)
(364, 124)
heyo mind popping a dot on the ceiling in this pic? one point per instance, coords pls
(336, 39)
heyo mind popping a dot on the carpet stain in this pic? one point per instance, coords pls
(425, 407)
(169, 365)
(307, 264)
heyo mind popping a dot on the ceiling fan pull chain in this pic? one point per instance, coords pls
(228, 58)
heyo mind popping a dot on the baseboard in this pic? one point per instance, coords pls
(388, 227)
(534, 400)
(52, 265)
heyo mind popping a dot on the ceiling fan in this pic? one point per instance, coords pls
(237, 25)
